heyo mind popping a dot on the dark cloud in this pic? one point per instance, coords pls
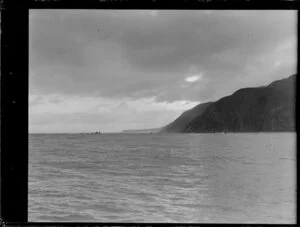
(139, 54)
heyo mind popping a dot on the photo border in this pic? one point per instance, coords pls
(14, 82)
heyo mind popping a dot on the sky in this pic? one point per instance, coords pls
(113, 70)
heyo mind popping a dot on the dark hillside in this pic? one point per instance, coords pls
(180, 124)
(269, 108)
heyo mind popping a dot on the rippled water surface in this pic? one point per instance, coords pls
(231, 178)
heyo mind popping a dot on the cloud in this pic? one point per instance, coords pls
(163, 57)
(68, 113)
(129, 53)
(192, 79)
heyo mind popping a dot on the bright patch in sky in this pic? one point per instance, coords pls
(60, 113)
(192, 79)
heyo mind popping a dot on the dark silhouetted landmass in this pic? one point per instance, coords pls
(182, 121)
(261, 109)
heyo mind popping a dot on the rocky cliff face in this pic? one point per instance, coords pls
(260, 109)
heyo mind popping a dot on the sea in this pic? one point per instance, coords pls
(163, 178)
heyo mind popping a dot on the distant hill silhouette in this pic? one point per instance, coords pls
(182, 121)
(259, 109)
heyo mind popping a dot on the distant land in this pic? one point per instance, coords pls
(268, 108)
(257, 109)
(184, 119)
(153, 130)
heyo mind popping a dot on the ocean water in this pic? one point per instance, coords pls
(187, 178)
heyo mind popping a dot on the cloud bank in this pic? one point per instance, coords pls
(168, 57)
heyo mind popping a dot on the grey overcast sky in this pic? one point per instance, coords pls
(112, 70)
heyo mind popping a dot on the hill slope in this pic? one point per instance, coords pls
(182, 121)
(259, 109)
